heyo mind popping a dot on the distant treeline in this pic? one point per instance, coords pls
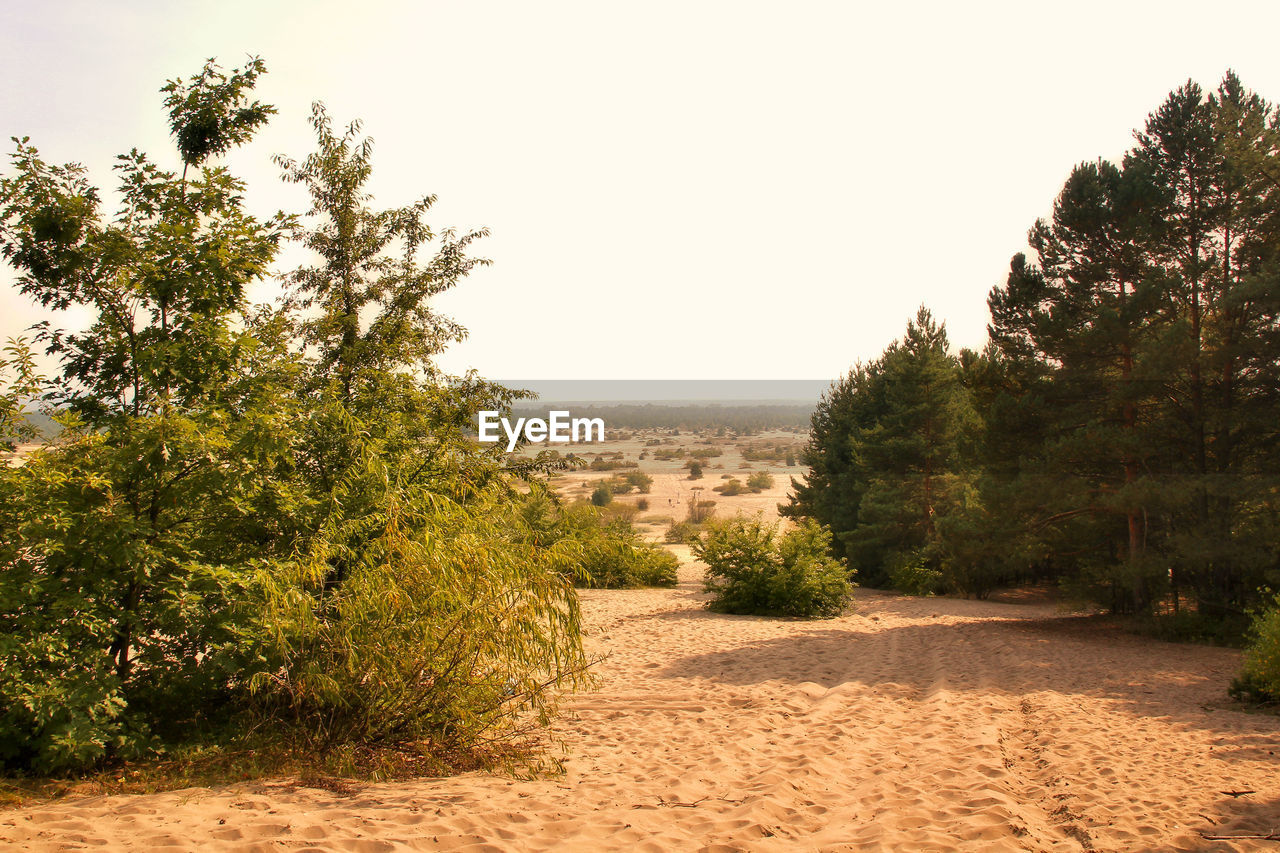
(742, 419)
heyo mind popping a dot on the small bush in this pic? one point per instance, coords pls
(639, 480)
(596, 548)
(913, 574)
(681, 533)
(602, 495)
(759, 481)
(700, 510)
(612, 462)
(445, 630)
(619, 510)
(642, 504)
(695, 470)
(750, 569)
(1259, 679)
(731, 487)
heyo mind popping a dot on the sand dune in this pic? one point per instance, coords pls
(912, 724)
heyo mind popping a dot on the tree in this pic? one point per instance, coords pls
(890, 450)
(260, 512)
(125, 552)
(1149, 324)
(1091, 310)
(832, 489)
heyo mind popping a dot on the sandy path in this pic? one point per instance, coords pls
(914, 724)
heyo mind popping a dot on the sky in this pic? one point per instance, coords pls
(674, 189)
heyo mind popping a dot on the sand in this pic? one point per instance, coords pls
(911, 724)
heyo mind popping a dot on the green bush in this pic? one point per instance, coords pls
(611, 462)
(914, 574)
(602, 494)
(1259, 678)
(623, 484)
(731, 487)
(700, 510)
(681, 533)
(443, 629)
(751, 569)
(642, 481)
(111, 620)
(759, 481)
(595, 551)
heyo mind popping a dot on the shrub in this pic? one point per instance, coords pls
(914, 574)
(110, 624)
(750, 569)
(620, 560)
(445, 628)
(595, 551)
(602, 495)
(1259, 678)
(642, 504)
(681, 533)
(611, 462)
(759, 481)
(700, 510)
(695, 470)
(731, 487)
(641, 481)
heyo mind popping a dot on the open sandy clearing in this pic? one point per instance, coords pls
(913, 724)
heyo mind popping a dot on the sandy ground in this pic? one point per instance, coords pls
(911, 724)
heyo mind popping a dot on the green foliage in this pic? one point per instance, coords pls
(681, 533)
(602, 494)
(210, 114)
(444, 629)
(699, 510)
(594, 551)
(1119, 433)
(1145, 331)
(731, 487)
(642, 482)
(695, 470)
(611, 462)
(760, 481)
(890, 452)
(1259, 678)
(19, 383)
(277, 514)
(123, 567)
(622, 484)
(913, 573)
(753, 570)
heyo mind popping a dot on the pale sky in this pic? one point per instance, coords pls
(712, 190)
